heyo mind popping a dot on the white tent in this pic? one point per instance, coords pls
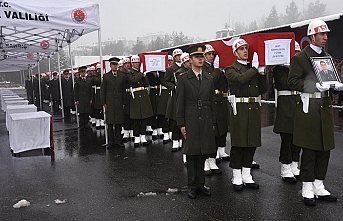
(32, 30)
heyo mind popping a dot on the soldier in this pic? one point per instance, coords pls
(170, 60)
(84, 96)
(90, 74)
(67, 94)
(140, 105)
(121, 65)
(222, 108)
(113, 99)
(169, 82)
(128, 133)
(159, 98)
(29, 89)
(196, 117)
(97, 105)
(313, 122)
(285, 103)
(54, 91)
(246, 85)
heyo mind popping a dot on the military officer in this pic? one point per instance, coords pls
(140, 105)
(313, 123)
(67, 94)
(284, 121)
(246, 85)
(127, 133)
(84, 96)
(54, 89)
(196, 116)
(112, 91)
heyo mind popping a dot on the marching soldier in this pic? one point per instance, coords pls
(246, 86)
(112, 91)
(128, 133)
(313, 124)
(220, 86)
(169, 82)
(84, 96)
(97, 105)
(159, 97)
(140, 105)
(196, 117)
(286, 102)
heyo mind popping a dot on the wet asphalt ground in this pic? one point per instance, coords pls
(131, 183)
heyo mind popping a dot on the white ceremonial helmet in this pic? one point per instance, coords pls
(98, 65)
(135, 58)
(317, 26)
(209, 48)
(297, 46)
(184, 57)
(120, 63)
(177, 52)
(238, 43)
(170, 58)
(126, 60)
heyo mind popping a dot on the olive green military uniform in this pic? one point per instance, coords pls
(195, 109)
(140, 105)
(84, 94)
(284, 120)
(313, 131)
(97, 104)
(245, 127)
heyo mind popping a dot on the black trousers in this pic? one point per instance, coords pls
(83, 120)
(139, 126)
(114, 137)
(288, 151)
(314, 164)
(56, 105)
(127, 122)
(159, 121)
(174, 129)
(97, 114)
(195, 170)
(241, 157)
(66, 110)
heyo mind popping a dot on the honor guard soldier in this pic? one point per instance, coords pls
(222, 108)
(54, 88)
(140, 105)
(196, 117)
(313, 124)
(90, 74)
(170, 82)
(170, 60)
(84, 96)
(128, 133)
(97, 104)
(246, 85)
(285, 103)
(159, 97)
(186, 65)
(112, 91)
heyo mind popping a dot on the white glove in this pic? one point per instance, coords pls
(261, 69)
(338, 86)
(254, 62)
(324, 87)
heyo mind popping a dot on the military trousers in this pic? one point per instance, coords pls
(159, 121)
(114, 137)
(241, 157)
(195, 170)
(176, 132)
(139, 127)
(314, 164)
(288, 151)
(127, 122)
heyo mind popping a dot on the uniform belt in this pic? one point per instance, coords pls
(127, 90)
(319, 94)
(200, 103)
(138, 89)
(248, 99)
(216, 91)
(287, 93)
(225, 94)
(158, 87)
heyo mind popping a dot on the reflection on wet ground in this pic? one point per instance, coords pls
(131, 183)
